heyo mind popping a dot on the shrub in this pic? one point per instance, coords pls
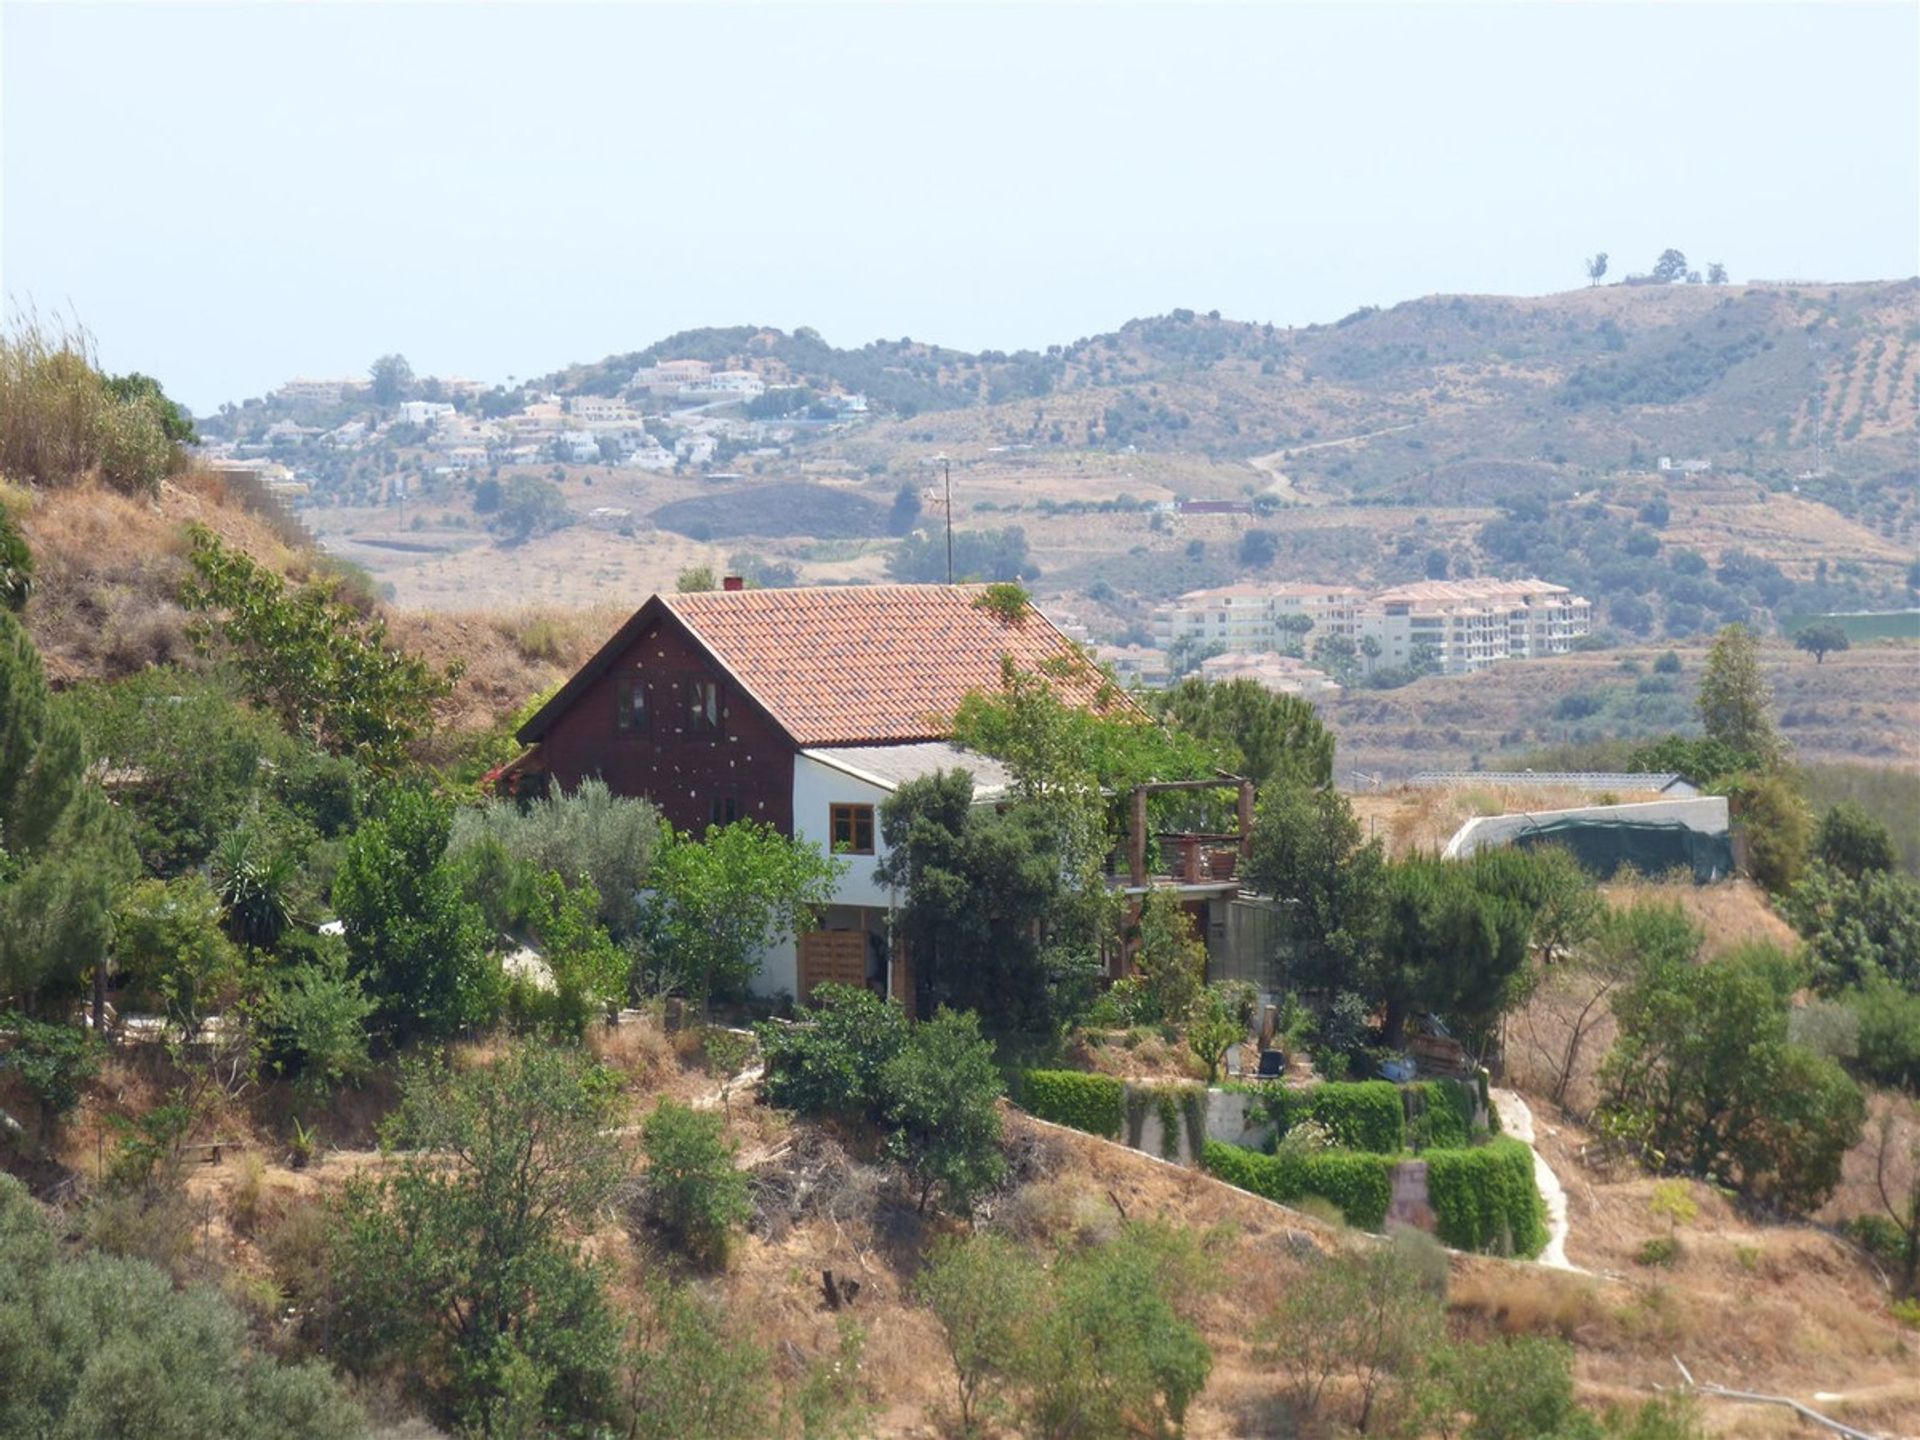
(1373, 1316)
(1094, 1103)
(693, 1375)
(1485, 1199)
(455, 1264)
(62, 419)
(1361, 1115)
(588, 833)
(1111, 1355)
(983, 1291)
(314, 1020)
(53, 1061)
(695, 1191)
(107, 1347)
(1659, 1250)
(830, 1062)
(939, 1095)
(1361, 1185)
(1515, 1389)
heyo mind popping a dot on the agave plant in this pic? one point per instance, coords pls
(253, 882)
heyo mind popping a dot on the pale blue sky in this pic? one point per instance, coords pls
(231, 195)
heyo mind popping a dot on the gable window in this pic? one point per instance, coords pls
(703, 706)
(724, 809)
(852, 829)
(630, 704)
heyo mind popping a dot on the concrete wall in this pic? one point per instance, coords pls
(816, 787)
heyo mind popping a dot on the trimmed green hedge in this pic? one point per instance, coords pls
(1485, 1199)
(1361, 1185)
(1360, 1114)
(1439, 1115)
(1094, 1103)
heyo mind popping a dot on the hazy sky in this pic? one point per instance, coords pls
(231, 195)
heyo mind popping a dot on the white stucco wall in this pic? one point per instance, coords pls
(816, 787)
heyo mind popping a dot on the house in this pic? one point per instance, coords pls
(1281, 674)
(802, 709)
(423, 412)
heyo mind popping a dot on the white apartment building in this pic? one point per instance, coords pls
(306, 389)
(1467, 625)
(600, 409)
(669, 374)
(1249, 618)
(724, 385)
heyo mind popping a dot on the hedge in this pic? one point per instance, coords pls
(1485, 1199)
(1440, 1115)
(1360, 1114)
(1093, 1103)
(1361, 1185)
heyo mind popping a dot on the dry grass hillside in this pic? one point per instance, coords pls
(109, 568)
(1786, 1309)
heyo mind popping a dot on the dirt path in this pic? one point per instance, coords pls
(1517, 1120)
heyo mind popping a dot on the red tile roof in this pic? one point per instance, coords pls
(869, 663)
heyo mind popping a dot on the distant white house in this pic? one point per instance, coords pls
(1669, 465)
(305, 389)
(426, 413)
(652, 456)
(724, 385)
(582, 447)
(695, 449)
(669, 375)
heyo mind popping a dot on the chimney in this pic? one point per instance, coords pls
(732, 582)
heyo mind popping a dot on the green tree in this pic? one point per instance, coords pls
(1852, 841)
(940, 1095)
(983, 1291)
(905, 513)
(1858, 927)
(1308, 853)
(1111, 1353)
(1817, 640)
(417, 944)
(589, 971)
(174, 952)
(978, 555)
(1734, 703)
(459, 1266)
(54, 1062)
(1446, 945)
(1171, 962)
(192, 759)
(1550, 887)
(1222, 1018)
(1671, 266)
(718, 904)
(832, 1063)
(1373, 1317)
(314, 1020)
(108, 1348)
(1271, 739)
(1716, 273)
(329, 672)
(587, 833)
(1518, 1388)
(63, 852)
(1778, 828)
(529, 506)
(1597, 268)
(1338, 656)
(392, 379)
(983, 902)
(1704, 1080)
(696, 578)
(695, 1190)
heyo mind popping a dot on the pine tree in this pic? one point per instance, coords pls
(1734, 702)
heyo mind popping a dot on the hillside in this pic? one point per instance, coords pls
(1459, 435)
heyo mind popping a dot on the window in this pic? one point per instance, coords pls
(852, 827)
(703, 706)
(724, 809)
(630, 704)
